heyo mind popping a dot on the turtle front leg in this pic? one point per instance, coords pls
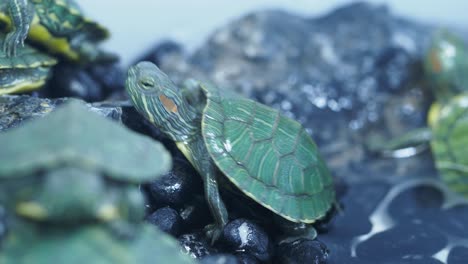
(215, 203)
(21, 13)
(195, 151)
(293, 231)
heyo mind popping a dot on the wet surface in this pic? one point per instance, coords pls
(347, 76)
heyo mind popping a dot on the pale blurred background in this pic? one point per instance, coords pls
(136, 25)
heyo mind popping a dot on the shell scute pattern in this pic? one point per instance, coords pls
(450, 143)
(268, 156)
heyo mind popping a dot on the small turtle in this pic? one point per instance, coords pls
(446, 66)
(73, 165)
(26, 71)
(449, 126)
(57, 25)
(91, 244)
(266, 155)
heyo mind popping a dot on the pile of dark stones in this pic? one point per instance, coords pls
(345, 76)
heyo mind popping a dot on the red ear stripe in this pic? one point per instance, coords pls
(168, 103)
(435, 62)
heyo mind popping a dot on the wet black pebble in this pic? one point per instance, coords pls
(406, 240)
(174, 188)
(195, 213)
(302, 251)
(244, 258)
(454, 221)
(242, 235)
(352, 219)
(395, 68)
(167, 219)
(219, 259)
(195, 245)
(73, 81)
(110, 76)
(422, 202)
(339, 248)
(423, 260)
(458, 255)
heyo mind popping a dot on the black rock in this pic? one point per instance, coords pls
(332, 73)
(242, 235)
(219, 259)
(69, 80)
(14, 110)
(406, 240)
(91, 83)
(110, 76)
(458, 255)
(167, 219)
(394, 68)
(454, 220)
(421, 202)
(302, 251)
(195, 213)
(244, 258)
(366, 195)
(195, 245)
(176, 187)
(339, 249)
(423, 260)
(352, 219)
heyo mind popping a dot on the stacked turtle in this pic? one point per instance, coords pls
(57, 27)
(446, 69)
(74, 191)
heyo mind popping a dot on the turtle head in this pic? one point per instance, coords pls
(160, 101)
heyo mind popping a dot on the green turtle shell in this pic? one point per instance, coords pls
(446, 65)
(56, 23)
(268, 156)
(449, 125)
(26, 71)
(74, 136)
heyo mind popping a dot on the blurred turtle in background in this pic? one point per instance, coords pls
(91, 244)
(60, 29)
(446, 69)
(57, 25)
(74, 166)
(27, 70)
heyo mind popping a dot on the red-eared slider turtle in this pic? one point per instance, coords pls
(92, 244)
(268, 156)
(449, 126)
(74, 165)
(26, 71)
(446, 67)
(57, 25)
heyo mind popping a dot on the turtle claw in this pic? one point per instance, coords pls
(213, 232)
(309, 233)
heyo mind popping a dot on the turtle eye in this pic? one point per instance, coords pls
(147, 83)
